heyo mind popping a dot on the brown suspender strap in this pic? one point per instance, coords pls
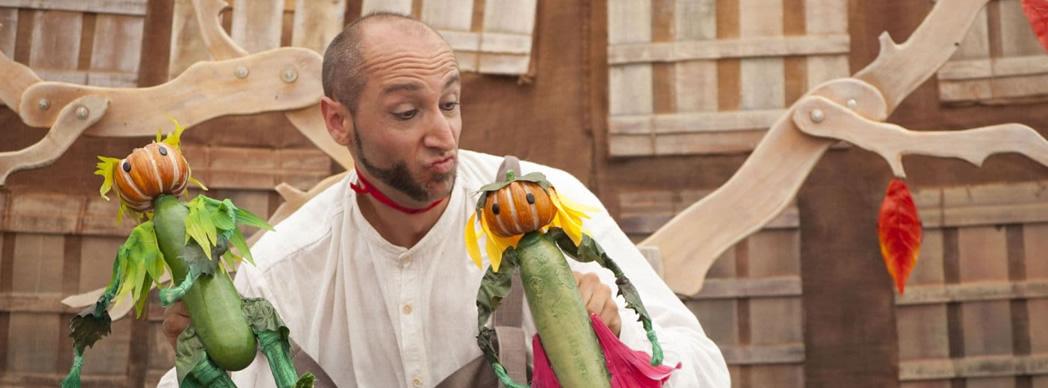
(513, 351)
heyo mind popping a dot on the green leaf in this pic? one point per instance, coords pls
(245, 217)
(306, 381)
(202, 262)
(199, 226)
(189, 351)
(238, 241)
(223, 216)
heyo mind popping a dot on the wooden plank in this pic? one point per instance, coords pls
(719, 319)
(1038, 314)
(96, 261)
(695, 20)
(628, 22)
(402, 7)
(761, 79)
(825, 17)
(56, 40)
(708, 143)
(257, 24)
(1017, 38)
(999, 67)
(8, 31)
(508, 16)
(32, 342)
(455, 15)
(975, 46)
(776, 376)
(984, 366)
(316, 23)
(187, 45)
(631, 145)
(256, 168)
(746, 47)
(1035, 245)
(764, 287)
(929, 270)
(775, 253)
(1004, 88)
(669, 123)
(922, 332)
(699, 79)
(973, 292)
(986, 328)
(61, 214)
(990, 204)
(117, 43)
(630, 90)
(776, 321)
(983, 254)
(45, 303)
(639, 221)
(121, 7)
(94, 78)
(962, 91)
(765, 354)
(38, 263)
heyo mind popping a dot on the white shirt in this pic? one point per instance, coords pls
(374, 314)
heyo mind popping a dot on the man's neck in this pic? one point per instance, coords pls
(397, 227)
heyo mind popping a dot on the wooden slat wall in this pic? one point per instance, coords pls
(55, 244)
(709, 76)
(489, 36)
(999, 61)
(976, 301)
(751, 302)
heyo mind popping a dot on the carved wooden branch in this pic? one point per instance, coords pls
(73, 120)
(218, 43)
(820, 117)
(17, 78)
(278, 79)
(692, 240)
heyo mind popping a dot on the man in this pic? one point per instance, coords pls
(372, 276)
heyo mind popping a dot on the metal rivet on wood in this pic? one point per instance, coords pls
(241, 72)
(289, 75)
(82, 112)
(852, 103)
(44, 104)
(817, 116)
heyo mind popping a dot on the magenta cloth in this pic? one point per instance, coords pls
(629, 368)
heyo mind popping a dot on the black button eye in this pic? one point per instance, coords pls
(162, 150)
(126, 166)
(531, 198)
(495, 208)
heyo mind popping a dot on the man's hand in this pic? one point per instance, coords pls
(176, 319)
(598, 300)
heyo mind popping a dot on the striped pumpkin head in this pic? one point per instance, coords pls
(147, 172)
(518, 208)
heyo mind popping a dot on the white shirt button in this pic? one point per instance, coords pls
(407, 309)
(417, 381)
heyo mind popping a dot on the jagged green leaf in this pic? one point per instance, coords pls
(89, 326)
(495, 286)
(245, 217)
(238, 242)
(306, 381)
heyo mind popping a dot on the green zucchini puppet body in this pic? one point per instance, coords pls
(198, 242)
(527, 226)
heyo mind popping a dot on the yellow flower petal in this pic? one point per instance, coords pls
(491, 246)
(567, 218)
(471, 240)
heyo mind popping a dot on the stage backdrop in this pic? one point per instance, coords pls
(582, 85)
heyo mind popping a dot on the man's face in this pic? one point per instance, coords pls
(407, 121)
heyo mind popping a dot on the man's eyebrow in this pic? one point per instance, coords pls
(404, 86)
(454, 79)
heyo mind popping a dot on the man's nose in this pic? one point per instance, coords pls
(441, 134)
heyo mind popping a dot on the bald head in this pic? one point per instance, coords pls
(344, 73)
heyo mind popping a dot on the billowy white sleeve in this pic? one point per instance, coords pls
(679, 332)
(257, 374)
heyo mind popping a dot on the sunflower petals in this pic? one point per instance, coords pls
(471, 240)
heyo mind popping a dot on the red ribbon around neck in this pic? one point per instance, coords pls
(362, 186)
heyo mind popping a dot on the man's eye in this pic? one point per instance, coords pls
(405, 115)
(449, 106)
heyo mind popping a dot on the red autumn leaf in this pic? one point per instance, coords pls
(899, 232)
(1037, 12)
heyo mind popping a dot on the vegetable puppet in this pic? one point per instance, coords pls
(527, 225)
(195, 241)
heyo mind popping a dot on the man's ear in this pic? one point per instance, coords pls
(338, 120)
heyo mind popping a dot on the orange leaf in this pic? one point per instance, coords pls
(1037, 12)
(899, 232)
